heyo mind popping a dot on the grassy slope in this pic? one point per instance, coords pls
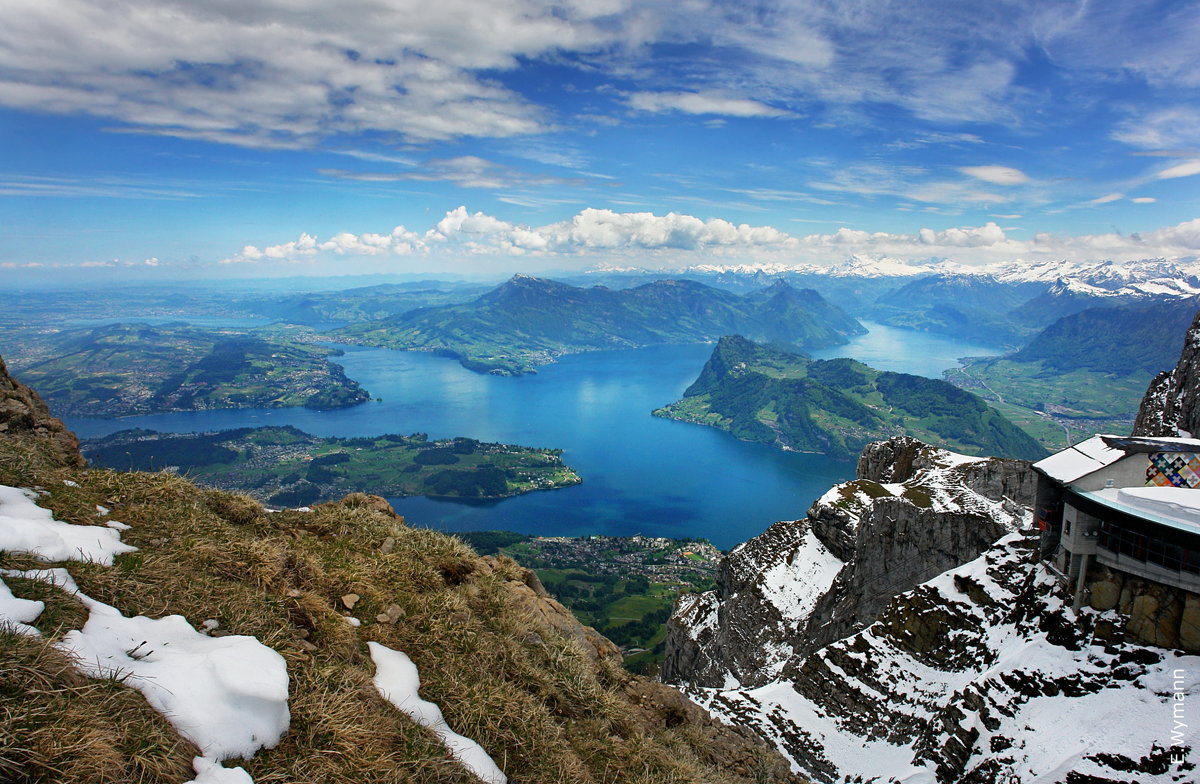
(266, 462)
(509, 668)
(527, 321)
(762, 393)
(125, 369)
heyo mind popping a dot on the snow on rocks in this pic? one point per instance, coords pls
(398, 682)
(26, 527)
(980, 674)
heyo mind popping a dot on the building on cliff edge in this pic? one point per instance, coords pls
(1120, 521)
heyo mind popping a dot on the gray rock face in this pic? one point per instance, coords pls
(914, 512)
(719, 633)
(1171, 406)
(22, 411)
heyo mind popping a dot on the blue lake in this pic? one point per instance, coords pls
(641, 474)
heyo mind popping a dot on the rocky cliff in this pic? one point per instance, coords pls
(511, 669)
(1171, 406)
(980, 675)
(977, 671)
(23, 412)
(913, 512)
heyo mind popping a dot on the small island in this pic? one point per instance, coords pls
(286, 467)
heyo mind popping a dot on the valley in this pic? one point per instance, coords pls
(124, 369)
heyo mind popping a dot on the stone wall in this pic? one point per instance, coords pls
(1152, 613)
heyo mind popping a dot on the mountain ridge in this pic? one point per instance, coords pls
(767, 394)
(528, 321)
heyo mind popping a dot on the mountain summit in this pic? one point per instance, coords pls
(527, 321)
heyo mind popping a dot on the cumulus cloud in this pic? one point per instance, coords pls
(702, 103)
(677, 239)
(998, 175)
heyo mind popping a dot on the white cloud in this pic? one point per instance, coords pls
(702, 103)
(1175, 127)
(998, 175)
(1185, 169)
(269, 74)
(971, 237)
(276, 74)
(1111, 197)
(677, 239)
(1143, 200)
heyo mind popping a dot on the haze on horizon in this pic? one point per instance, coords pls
(169, 139)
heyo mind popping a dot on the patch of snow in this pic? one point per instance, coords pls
(794, 588)
(1179, 503)
(16, 614)
(26, 527)
(1080, 460)
(102, 511)
(1119, 714)
(228, 695)
(350, 619)
(211, 772)
(117, 525)
(70, 483)
(398, 682)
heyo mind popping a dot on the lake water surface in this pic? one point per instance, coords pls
(641, 474)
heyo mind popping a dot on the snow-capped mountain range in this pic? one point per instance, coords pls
(1144, 277)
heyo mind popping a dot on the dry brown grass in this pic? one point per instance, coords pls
(542, 704)
(57, 725)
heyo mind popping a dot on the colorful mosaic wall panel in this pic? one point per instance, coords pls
(1174, 469)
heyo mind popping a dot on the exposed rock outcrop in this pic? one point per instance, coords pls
(914, 512)
(980, 675)
(1171, 406)
(22, 411)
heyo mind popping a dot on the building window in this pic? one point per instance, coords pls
(1149, 549)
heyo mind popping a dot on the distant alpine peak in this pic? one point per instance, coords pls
(886, 267)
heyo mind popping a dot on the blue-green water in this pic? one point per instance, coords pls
(641, 474)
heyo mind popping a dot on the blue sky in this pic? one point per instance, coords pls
(192, 138)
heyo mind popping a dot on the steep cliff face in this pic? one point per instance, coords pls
(23, 412)
(1171, 406)
(980, 675)
(977, 673)
(913, 512)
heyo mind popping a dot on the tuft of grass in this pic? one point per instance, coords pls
(58, 725)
